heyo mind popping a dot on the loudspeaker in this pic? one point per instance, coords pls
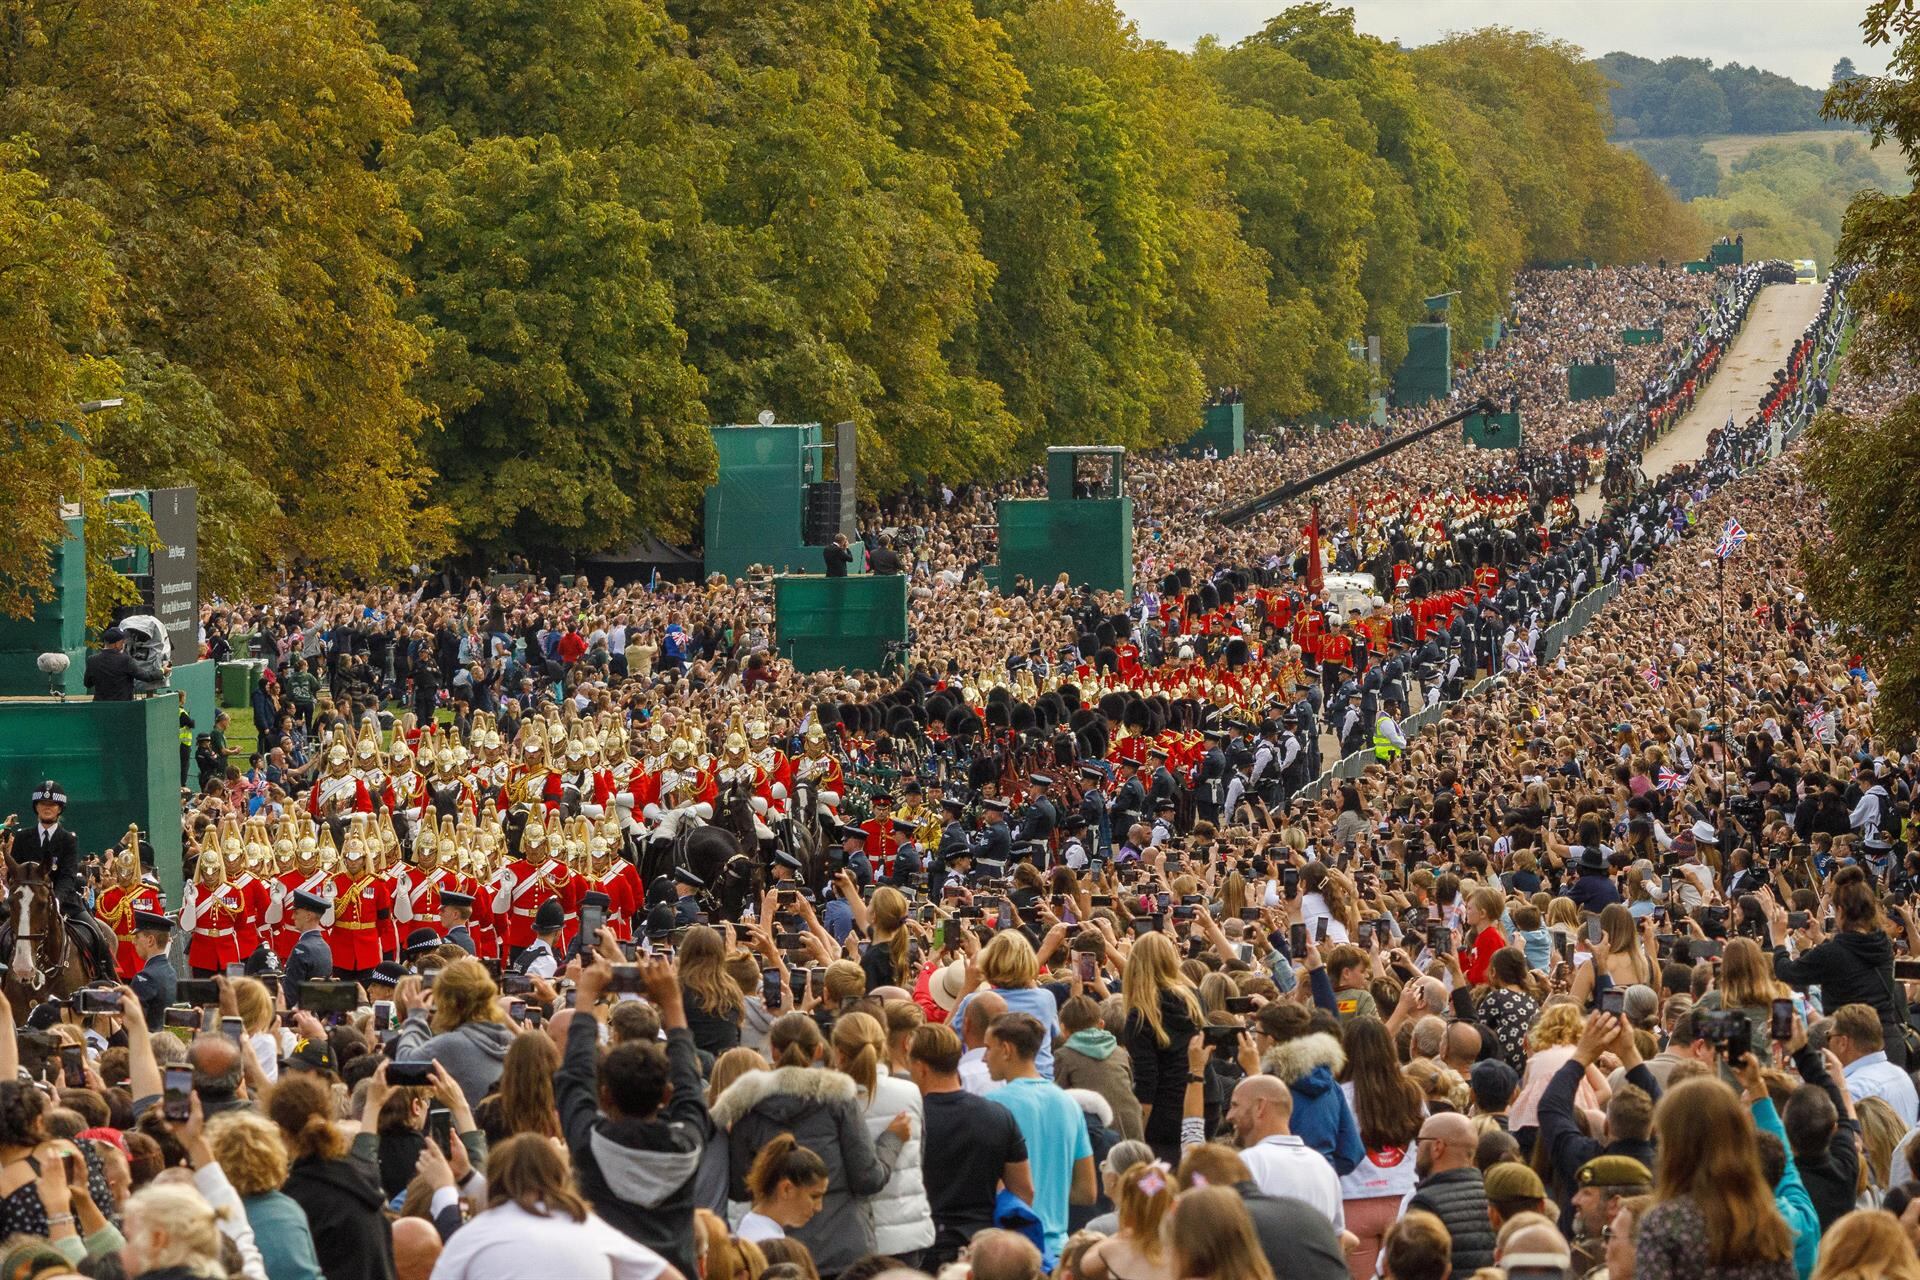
(823, 513)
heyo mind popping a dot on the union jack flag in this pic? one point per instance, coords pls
(1651, 676)
(1668, 780)
(1730, 538)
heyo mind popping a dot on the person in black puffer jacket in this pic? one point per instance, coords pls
(1854, 966)
(1163, 1016)
(1451, 1189)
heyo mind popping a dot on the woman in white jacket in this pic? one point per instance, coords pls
(536, 1225)
(902, 1218)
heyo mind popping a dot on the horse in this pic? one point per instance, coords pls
(44, 960)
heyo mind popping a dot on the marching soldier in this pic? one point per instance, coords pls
(1093, 809)
(1162, 789)
(1210, 791)
(1129, 805)
(1042, 815)
(993, 844)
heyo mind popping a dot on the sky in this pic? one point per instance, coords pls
(1801, 39)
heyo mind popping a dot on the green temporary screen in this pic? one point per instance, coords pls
(1726, 255)
(58, 624)
(756, 506)
(1224, 427)
(1589, 381)
(1642, 337)
(859, 623)
(1492, 430)
(1699, 268)
(1427, 372)
(1090, 540)
(119, 763)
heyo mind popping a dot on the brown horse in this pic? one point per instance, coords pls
(42, 961)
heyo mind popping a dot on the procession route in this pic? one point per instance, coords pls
(1779, 316)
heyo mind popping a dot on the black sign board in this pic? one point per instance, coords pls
(176, 569)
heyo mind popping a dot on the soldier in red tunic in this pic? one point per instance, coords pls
(125, 894)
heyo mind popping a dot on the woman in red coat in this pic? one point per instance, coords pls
(1484, 909)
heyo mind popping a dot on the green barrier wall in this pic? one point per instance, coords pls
(1224, 427)
(57, 625)
(1088, 539)
(1726, 255)
(196, 680)
(1427, 372)
(1492, 430)
(822, 623)
(119, 763)
(756, 508)
(1698, 268)
(1589, 381)
(1642, 337)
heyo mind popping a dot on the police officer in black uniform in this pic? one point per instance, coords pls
(156, 983)
(311, 959)
(1073, 841)
(51, 844)
(542, 959)
(953, 836)
(853, 853)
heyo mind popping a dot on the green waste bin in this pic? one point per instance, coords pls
(236, 683)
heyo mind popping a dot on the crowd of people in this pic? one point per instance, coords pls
(557, 931)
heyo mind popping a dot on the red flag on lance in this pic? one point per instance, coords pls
(1316, 575)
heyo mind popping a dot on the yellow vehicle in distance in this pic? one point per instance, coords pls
(1806, 271)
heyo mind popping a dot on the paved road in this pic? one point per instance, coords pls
(1780, 315)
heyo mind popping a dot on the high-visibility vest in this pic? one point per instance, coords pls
(1383, 747)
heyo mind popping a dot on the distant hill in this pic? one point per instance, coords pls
(1692, 97)
(1785, 192)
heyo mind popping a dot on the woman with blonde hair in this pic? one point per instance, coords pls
(1713, 1216)
(1880, 1133)
(536, 1224)
(727, 1256)
(902, 1217)
(1211, 1237)
(460, 1024)
(256, 1020)
(1162, 1015)
(710, 1179)
(248, 1147)
(1618, 954)
(1550, 1046)
(170, 1232)
(1011, 971)
(1142, 1196)
(715, 1004)
(1867, 1244)
(889, 956)
(1746, 983)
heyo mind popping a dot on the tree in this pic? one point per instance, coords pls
(223, 147)
(570, 420)
(53, 256)
(1843, 71)
(1697, 105)
(1866, 576)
